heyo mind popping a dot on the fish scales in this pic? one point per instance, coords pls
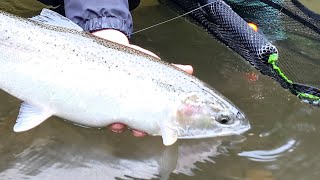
(94, 82)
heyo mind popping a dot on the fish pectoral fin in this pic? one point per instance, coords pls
(169, 135)
(50, 17)
(29, 117)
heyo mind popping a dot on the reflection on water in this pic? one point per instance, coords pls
(282, 144)
(58, 149)
(269, 155)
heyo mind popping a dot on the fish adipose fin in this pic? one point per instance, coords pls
(52, 18)
(29, 117)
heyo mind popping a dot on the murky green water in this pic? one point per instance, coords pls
(282, 144)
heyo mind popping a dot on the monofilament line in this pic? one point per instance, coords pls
(172, 18)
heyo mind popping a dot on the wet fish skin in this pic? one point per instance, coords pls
(94, 82)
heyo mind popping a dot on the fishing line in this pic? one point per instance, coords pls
(172, 18)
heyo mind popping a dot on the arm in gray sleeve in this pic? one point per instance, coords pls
(94, 15)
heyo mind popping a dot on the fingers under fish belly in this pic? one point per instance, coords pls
(119, 127)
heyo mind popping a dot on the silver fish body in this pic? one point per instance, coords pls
(94, 82)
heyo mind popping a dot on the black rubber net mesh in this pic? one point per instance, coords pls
(287, 29)
(294, 29)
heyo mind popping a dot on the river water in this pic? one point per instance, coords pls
(282, 144)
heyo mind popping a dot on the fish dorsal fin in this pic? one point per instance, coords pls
(50, 17)
(29, 117)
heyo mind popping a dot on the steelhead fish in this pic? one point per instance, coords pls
(57, 69)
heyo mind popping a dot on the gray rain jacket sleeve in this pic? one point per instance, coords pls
(94, 15)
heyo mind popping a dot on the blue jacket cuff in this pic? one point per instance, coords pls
(99, 23)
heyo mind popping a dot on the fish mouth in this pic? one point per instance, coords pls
(244, 122)
(240, 116)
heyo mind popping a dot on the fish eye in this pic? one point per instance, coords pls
(225, 120)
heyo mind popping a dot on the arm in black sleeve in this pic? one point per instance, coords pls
(94, 15)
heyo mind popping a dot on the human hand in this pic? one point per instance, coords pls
(119, 37)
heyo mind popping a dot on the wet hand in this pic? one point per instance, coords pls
(119, 37)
